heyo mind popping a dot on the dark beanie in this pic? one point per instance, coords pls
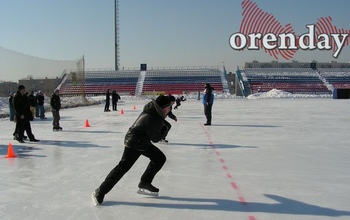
(163, 101)
(172, 98)
(20, 87)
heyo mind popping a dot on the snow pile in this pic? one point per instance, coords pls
(278, 94)
(66, 102)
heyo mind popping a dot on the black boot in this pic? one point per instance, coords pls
(97, 196)
(148, 186)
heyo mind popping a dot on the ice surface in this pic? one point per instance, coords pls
(285, 158)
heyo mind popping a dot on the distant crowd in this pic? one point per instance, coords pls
(24, 107)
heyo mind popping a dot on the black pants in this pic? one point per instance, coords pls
(56, 119)
(129, 157)
(207, 112)
(107, 106)
(168, 126)
(114, 105)
(24, 125)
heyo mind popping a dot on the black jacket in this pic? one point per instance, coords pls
(32, 100)
(149, 126)
(41, 99)
(55, 102)
(115, 97)
(21, 106)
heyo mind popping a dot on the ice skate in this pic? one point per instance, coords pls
(147, 189)
(57, 129)
(163, 141)
(97, 197)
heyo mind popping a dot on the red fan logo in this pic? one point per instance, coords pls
(261, 30)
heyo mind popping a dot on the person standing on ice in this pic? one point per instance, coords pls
(208, 100)
(107, 101)
(23, 115)
(115, 98)
(55, 103)
(149, 127)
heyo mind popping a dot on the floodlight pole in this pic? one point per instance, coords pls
(116, 34)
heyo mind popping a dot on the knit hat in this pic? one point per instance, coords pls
(163, 101)
(20, 87)
(172, 98)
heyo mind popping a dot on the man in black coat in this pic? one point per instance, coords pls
(23, 115)
(108, 97)
(55, 103)
(115, 98)
(148, 127)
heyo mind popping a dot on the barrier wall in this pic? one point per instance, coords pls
(341, 94)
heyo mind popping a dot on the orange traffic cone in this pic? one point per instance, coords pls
(87, 123)
(10, 153)
(122, 111)
(134, 107)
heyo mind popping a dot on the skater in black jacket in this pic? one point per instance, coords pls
(148, 127)
(178, 101)
(55, 103)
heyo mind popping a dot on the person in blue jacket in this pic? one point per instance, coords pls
(208, 101)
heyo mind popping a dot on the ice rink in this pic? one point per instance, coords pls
(261, 159)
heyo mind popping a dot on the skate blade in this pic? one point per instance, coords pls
(94, 200)
(146, 192)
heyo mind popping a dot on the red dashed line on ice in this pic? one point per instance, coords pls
(228, 174)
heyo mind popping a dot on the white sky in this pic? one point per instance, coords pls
(160, 33)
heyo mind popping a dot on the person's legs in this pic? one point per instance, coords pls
(12, 114)
(207, 112)
(157, 158)
(127, 161)
(168, 125)
(107, 106)
(28, 130)
(37, 111)
(42, 111)
(56, 118)
(20, 129)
